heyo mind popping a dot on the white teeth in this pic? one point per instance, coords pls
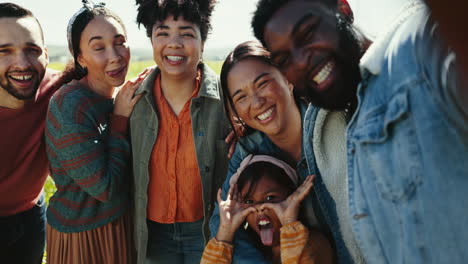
(175, 58)
(266, 114)
(21, 77)
(263, 222)
(324, 72)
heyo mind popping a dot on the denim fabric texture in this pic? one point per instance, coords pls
(408, 149)
(175, 243)
(22, 236)
(318, 207)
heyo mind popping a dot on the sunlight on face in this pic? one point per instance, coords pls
(261, 95)
(104, 52)
(23, 57)
(177, 47)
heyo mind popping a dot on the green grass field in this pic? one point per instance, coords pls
(138, 66)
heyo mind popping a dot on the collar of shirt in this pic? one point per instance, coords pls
(374, 57)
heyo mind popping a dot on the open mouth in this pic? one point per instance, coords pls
(323, 76)
(266, 231)
(267, 114)
(117, 72)
(22, 79)
(175, 59)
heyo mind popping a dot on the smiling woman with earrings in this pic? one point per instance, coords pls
(279, 123)
(87, 145)
(177, 134)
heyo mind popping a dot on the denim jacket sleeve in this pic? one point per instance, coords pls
(244, 250)
(439, 64)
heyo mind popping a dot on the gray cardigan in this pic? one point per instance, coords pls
(329, 145)
(209, 126)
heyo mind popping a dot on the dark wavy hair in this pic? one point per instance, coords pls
(195, 11)
(267, 8)
(256, 171)
(16, 11)
(245, 50)
(73, 70)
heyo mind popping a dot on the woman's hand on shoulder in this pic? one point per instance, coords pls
(126, 99)
(237, 132)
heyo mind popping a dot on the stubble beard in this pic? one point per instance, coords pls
(342, 95)
(8, 86)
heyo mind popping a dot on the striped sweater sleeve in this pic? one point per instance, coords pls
(299, 246)
(217, 252)
(74, 137)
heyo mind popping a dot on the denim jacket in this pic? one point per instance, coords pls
(209, 126)
(318, 207)
(408, 148)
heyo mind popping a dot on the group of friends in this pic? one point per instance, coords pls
(315, 144)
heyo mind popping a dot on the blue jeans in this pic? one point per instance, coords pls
(177, 243)
(22, 236)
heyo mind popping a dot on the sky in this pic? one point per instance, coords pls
(230, 20)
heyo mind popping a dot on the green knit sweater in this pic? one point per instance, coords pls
(89, 156)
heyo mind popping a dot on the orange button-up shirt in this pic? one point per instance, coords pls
(175, 190)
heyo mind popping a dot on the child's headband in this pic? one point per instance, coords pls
(88, 5)
(257, 158)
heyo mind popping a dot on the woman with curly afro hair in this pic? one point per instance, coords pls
(177, 135)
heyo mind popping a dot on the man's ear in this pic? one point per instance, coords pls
(345, 10)
(46, 54)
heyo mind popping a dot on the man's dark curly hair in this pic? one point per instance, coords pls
(195, 11)
(267, 8)
(11, 10)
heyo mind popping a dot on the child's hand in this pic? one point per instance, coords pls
(231, 214)
(288, 210)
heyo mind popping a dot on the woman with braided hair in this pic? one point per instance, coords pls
(88, 147)
(177, 135)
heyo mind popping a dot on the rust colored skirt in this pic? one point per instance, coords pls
(109, 244)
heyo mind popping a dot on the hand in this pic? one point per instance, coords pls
(126, 99)
(288, 210)
(232, 138)
(141, 76)
(231, 214)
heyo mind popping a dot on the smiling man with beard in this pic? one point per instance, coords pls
(407, 123)
(320, 54)
(25, 89)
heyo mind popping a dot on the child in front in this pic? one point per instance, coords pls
(264, 193)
